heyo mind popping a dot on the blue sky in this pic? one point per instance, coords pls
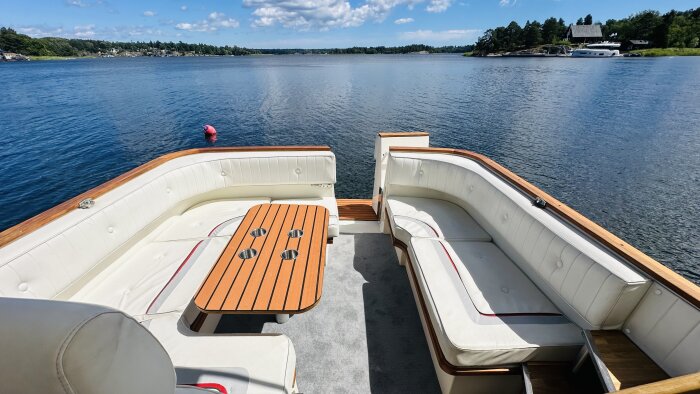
(300, 23)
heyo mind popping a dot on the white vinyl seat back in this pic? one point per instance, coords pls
(64, 347)
(586, 282)
(667, 328)
(48, 260)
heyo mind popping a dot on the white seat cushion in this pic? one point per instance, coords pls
(494, 283)
(328, 202)
(154, 276)
(469, 336)
(203, 220)
(432, 218)
(246, 363)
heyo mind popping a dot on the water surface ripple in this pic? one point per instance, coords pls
(616, 139)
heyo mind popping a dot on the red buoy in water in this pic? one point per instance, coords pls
(209, 130)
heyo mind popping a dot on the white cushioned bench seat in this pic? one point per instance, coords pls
(202, 220)
(244, 363)
(588, 283)
(431, 218)
(484, 310)
(163, 272)
(328, 202)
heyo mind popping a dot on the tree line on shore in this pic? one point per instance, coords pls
(678, 29)
(12, 41)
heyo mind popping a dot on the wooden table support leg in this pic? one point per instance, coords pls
(198, 322)
(282, 318)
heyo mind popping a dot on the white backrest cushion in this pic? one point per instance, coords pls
(667, 328)
(586, 282)
(45, 262)
(63, 347)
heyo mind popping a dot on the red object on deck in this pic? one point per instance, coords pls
(209, 130)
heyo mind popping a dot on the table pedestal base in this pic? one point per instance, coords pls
(282, 318)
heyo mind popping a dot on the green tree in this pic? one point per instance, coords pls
(588, 20)
(532, 34)
(514, 36)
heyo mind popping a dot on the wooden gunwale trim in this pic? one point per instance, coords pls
(387, 134)
(680, 384)
(19, 230)
(657, 271)
(445, 364)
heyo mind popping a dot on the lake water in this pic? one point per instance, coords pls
(616, 139)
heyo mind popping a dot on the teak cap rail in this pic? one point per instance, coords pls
(386, 134)
(59, 210)
(659, 272)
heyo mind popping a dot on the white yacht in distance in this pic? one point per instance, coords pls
(599, 49)
(236, 270)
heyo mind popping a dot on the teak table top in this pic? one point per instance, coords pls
(267, 283)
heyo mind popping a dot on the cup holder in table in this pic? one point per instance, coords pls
(247, 254)
(290, 254)
(295, 233)
(258, 232)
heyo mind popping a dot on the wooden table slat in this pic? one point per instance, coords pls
(266, 283)
(234, 292)
(208, 287)
(284, 277)
(293, 298)
(308, 294)
(238, 268)
(263, 259)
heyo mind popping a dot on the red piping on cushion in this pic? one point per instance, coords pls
(183, 263)
(174, 275)
(494, 314)
(422, 221)
(219, 225)
(208, 386)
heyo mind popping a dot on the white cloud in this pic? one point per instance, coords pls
(91, 32)
(214, 22)
(79, 31)
(463, 36)
(439, 5)
(77, 3)
(84, 31)
(320, 14)
(85, 3)
(149, 13)
(183, 8)
(401, 21)
(41, 31)
(507, 3)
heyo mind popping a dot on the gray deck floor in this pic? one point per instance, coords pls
(365, 335)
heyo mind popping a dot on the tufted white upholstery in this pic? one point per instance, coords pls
(78, 348)
(70, 251)
(476, 322)
(588, 284)
(667, 328)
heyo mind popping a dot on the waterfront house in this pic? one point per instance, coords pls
(635, 44)
(584, 33)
